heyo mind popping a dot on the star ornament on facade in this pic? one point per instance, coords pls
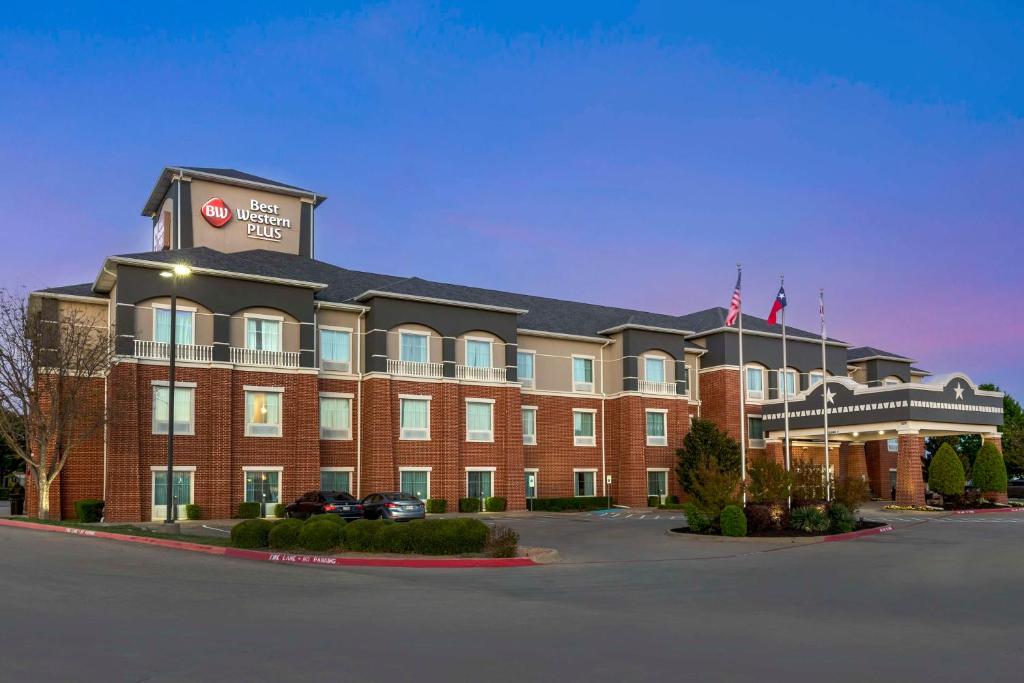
(959, 391)
(829, 396)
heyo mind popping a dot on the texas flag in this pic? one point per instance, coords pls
(778, 305)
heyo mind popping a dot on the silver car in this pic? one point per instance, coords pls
(394, 505)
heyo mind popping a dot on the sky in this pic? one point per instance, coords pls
(628, 154)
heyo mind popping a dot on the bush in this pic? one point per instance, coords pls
(698, 522)
(252, 533)
(946, 472)
(470, 505)
(671, 506)
(672, 500)
(359, 534)
(759, 518)
(193, 512)
(767, 481)
(91, 509)
(495, 504)
(572, 504)
(284, 534)
(248, 511)
(712, 489)
(436, 506)
(841, 518)
(394, 538)
(989, 472)
(733, 521)
(501, 542)
(280, 511)
(320, 534)
(653, 501)
(808, 483)
(449, 536)
(852, 492)
(334, 519)
(809, 519)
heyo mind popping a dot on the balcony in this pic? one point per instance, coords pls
(645, 386)
(480, 374)
(270, 359)
(162, 351)
(408, 368)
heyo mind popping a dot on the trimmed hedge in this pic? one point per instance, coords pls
(436, 506)
(653, 501)
(733, 521)
(697, 521)
(320, 534)
(422, 536)
(946, 472)
(193, 511)
(252, 533)
(285, 534)
(280, 511)
(336, 519)
(989, 471)
(495, 504)
(570, 504)
(91, 509)
(248, 511)
(469, 505)
(359, 534)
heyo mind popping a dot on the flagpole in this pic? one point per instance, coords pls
(784, 376)
(743, 399)
(824, 394)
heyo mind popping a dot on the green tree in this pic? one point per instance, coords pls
(965, 445)
(989, 470)
(706, 444)
(946, 472)
(767, 481)
(1012, 431)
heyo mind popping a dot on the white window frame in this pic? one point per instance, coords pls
(428, 470)
(582, 387)
(782, 386)
(347, 433)
(350, 470)
(263, 316)
(536, 481)
(492, 470)
(583, 440)
(402, 436)
(187, 309)
(755, 443)
(416, 333)
(280, 483)
(891, 381)
(751, 396)
(665, 470)
(810, 377)
(889, 443)
(657, 440)
(533, 438)
(664, 367)
(465, 350)
(588, 470)
(529, 382)
(187, 386)
(347, 363)
(481, 435)
(246, 390)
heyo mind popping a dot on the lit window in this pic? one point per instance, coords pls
(335, 417)
(262, 334)
(478, 353)
(415, 419)
(479, 421)
(755, 383)
(583, 427)
(530, 426)
(263, 486)
(525, 367)
(262, 413)
(183, 334)
(583, 374)
(336, 348)
(335, 480)
(413, 347)
(656, 434)
(585, 483)
(654, 369)
(184, 409)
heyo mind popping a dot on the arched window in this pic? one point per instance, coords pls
(755, 382)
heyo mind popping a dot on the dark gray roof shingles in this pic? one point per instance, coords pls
(856, 353)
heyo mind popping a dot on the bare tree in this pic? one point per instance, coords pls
(51, 358)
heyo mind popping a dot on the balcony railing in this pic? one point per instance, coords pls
(408, 368)
(649, 387)
(162, 351)
(480, 374)
(274, 359)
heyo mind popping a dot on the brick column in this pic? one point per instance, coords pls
(774, 450)
(515, 491)
(450, 481)
(124, 473)
(632, 487)
(379, 427)
(852, 460)
(214, 492)
(909, 482)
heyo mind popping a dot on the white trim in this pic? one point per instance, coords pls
(336, 394)
(371, 293)
(167, 307)
(593, 378)
(191, 418)
(263, 316)
(758, 333)
(560, 335)
(416, 397)
(533, 409)
(764, 382)
(402, 430)
(491, 470)
(247, 431)
(489, 402)
(416, 333)
(71, 297)
(177, 468)
(575, 489)
(658, 440)
(177, 384)
(160, 265)
(428, 470)
(337, 469)
(465, 349)
(262, 468)
(250, 387)
(582, 441)
(652, 328)
(473, 399)
(531, 380)
(343, 434)
(481, 469)
(320, 347)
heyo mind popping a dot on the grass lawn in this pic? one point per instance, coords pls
(131, 530)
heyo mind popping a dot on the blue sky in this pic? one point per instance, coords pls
(623, 153)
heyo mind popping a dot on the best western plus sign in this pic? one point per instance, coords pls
(263, 221)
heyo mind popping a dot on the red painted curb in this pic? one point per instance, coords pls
(284, 558)
(849, 536)
(990, 511)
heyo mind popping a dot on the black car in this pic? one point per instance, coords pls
(339, 503)
(393, 505)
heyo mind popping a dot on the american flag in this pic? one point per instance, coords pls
(734, 305)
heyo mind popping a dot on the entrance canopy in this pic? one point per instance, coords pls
(951, 404)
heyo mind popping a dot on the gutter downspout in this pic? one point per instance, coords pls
(604, 393)
(359, 406)
(106, 421)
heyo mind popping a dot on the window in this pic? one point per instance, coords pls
(657, 483)
(755, 431)
(755, 383)
(530, 481)
(415, 418)
(656, 433)
(529, 426)
(335, 417)
(415, 482)
(479, 483)
(893, 445)
(263, 334)
(336, 349)
(335, 480)
(263, 486)
(479, 420)
(583, 427)
(891, 380)
(787, 379)
(185, 319)
(583, 374)
(478, 353)
(413, 347)
(525, 363)
(654, 369)
(585, 483)
(262, 413)
(184, 409)
(814, 377)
